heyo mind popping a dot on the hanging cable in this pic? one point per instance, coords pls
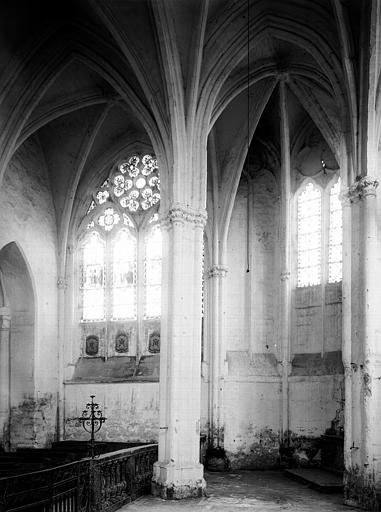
(248, 131)
(248, 77)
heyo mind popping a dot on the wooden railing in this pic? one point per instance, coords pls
(100, 485)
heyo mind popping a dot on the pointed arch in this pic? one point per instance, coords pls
(216, 73)
(18, 376)
(27, 88)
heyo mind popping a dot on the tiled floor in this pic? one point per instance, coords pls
(253, 491)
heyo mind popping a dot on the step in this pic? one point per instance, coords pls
(319, 479)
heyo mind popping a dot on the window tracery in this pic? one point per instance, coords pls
(120, 258)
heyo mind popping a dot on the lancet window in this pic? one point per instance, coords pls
(319, 234)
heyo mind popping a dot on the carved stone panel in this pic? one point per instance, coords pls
(154, 342)
(122, 342)
(92, 345)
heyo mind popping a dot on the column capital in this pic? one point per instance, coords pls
(363, 186)
(183, 214)
(217, 271)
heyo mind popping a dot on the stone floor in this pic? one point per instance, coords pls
(253, 491)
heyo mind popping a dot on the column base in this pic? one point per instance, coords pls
(361, 489)
(171, 482)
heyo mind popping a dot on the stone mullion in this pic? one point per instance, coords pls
(178, 473)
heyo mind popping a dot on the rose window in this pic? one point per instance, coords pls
(133, 186)
(102, 196)
(137, 187)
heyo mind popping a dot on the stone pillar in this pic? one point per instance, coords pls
(363, 471)
(63, 308)
(347, 326)
(5, 400)
(285, 255)
(178, 472)
(217, 276)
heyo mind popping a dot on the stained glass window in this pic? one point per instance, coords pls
(137, 185)
(93, 278)
(121, 253)
(152, 273)
(124, 276)
(335, 249)
(320, 224)
(309, 235)
(134, 186)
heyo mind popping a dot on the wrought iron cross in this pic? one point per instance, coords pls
(92, 421)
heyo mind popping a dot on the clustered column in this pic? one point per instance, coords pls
(217, 356)
(5, 321)
(363, 371)
(178, 472)
(285, 256)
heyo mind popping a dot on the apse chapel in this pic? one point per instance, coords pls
(191, 231)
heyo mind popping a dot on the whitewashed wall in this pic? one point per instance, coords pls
(27, 218)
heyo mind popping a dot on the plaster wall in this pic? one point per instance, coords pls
(27, 218)
(264, 265)
(131, 409)
(317, 319)
(316, 384)
(252, 412)
(237, 307)
(253, 389)
(313, 402)
(252, 393)
(252, 288)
